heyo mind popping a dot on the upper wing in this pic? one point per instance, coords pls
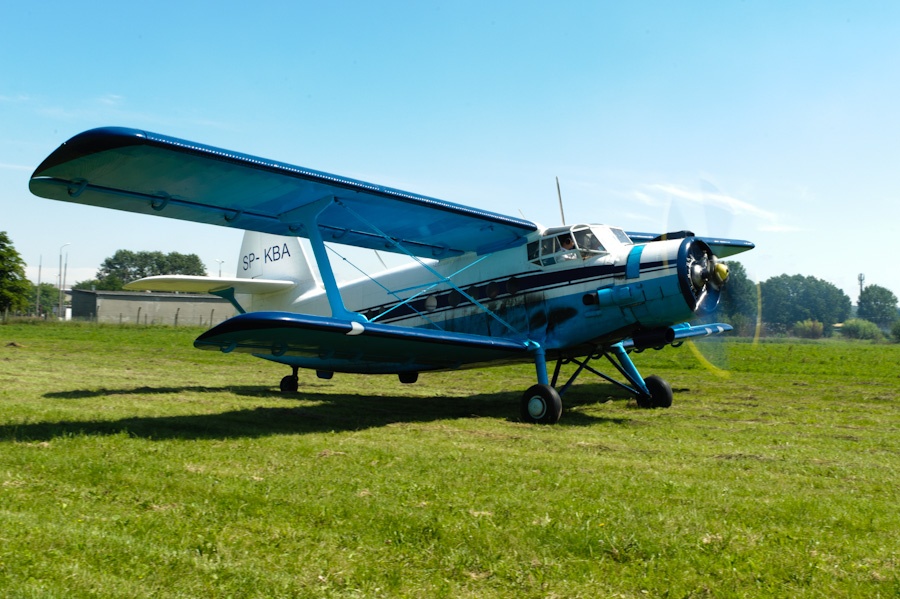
(143, 172)
(332, 344)
(722, 248)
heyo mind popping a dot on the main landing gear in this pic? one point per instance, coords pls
(290, 383)
(542, 403)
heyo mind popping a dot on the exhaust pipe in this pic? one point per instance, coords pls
(653, 338)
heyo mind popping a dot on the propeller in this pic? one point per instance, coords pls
(708, 275)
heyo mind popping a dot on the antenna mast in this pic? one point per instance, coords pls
(562, 213)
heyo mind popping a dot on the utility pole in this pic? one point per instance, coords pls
(862, 280)
(37, 293)
(59, 281)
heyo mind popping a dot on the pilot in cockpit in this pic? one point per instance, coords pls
(566, 243)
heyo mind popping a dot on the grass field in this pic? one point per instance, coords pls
(132, 465)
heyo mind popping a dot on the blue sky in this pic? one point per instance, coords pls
(764, 121)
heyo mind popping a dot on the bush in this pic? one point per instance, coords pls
(895, 331)
(809, 329)
(857, 328)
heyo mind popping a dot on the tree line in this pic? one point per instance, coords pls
(785, 304)
(804, 306)
(18, 295)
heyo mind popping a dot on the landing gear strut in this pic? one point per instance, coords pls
(542, 403)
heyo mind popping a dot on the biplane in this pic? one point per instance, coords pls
(480, 288)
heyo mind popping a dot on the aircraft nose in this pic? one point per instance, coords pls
(705, 273)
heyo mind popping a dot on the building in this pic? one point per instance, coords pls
(142, 307)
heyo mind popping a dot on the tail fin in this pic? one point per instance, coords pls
(274, 257)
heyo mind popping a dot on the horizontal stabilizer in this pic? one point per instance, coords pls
(193, 284)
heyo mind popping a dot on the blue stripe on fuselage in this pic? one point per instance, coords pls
(633, 265)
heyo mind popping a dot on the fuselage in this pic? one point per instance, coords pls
(567, 288)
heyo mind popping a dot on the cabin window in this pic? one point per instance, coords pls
(512, 286)
(574, 243)
(621, 236)
(454, 298)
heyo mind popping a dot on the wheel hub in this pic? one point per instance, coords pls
(537, 407)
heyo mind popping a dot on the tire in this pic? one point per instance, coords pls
(541, 404)
(644, 401)
(408, 378)
(660, 392)
(289, 384)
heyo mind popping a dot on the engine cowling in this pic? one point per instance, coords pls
(665, 282)
(701, 275)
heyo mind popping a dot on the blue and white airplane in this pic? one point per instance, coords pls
(481, 289)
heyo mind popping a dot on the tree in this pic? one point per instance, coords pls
(739, 301)
(48, 298)
(877, 305)
(787, 299)
(14, 286)
(126, 266)
(857, 328)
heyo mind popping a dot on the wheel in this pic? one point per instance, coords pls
(408, 378)
(289, 384)
(541, 404)
(660, 393)
(644, 401)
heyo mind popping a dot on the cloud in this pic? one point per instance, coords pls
(15, 167)
(111, 100)
(648, 199)
(708, 196)
(638, 216)
(716, 199)
(779, 228)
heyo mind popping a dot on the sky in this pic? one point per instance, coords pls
(773, 122)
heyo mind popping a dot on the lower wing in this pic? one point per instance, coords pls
(330, 344)
(722, 248)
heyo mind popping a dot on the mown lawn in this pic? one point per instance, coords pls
(132, 465)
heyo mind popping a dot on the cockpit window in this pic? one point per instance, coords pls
(573, 243)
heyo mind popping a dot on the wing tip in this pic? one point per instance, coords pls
(89, 142)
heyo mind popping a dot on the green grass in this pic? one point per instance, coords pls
(132, 465)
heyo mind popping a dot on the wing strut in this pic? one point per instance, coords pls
(441, 278)
(306, 218)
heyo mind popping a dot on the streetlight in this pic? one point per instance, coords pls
(220, 266)
(60, 282)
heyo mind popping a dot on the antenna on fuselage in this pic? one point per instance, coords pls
(562, 213)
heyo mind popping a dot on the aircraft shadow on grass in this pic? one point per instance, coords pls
(319, 412)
